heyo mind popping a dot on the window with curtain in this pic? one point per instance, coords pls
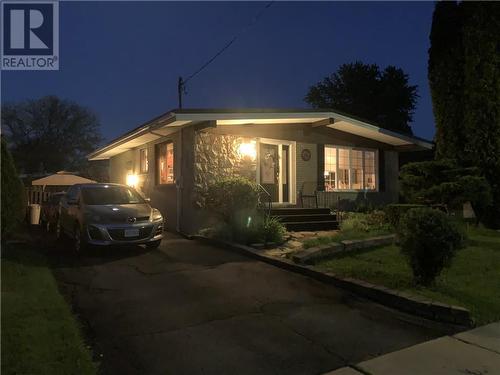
(369, 170)
(143, 157)
(165, 163)
(330, 168)
(343, 166)
(349, 169)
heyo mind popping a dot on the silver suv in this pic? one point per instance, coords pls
(108, 214)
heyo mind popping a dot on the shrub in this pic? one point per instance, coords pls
(272, 230)
(429, 239)
(373, 221)
(232, 197)
(394, 212)
(445, 182)
(13, 198)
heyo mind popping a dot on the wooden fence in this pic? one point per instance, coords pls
(36, 194)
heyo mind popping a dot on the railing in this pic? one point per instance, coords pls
(269, 199)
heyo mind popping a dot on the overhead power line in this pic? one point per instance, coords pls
(181, 86)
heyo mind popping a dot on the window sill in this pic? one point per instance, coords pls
(350, 191)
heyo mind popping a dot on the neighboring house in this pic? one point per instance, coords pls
(174, 157)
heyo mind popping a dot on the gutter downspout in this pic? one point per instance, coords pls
(179, 185)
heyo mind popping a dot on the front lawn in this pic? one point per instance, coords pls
(472, 281)
(39, 333)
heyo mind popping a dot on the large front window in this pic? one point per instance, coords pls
(165, 163)
(349, 169)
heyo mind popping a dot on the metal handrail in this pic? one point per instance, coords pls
(269, 197)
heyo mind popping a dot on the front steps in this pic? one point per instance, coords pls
(306, 219)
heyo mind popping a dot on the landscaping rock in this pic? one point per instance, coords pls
(319, 252)
(368, 242)
(294, 244)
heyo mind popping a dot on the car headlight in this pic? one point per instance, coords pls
(157, 215)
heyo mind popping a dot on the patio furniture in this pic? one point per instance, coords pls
(309, 190)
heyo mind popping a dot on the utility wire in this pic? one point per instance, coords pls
(228, 44)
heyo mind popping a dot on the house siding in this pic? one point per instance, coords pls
(307, 170)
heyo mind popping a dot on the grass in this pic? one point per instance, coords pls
(472, 281)
(39, 333)
(343, 235)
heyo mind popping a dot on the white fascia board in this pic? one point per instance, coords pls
(409, 139)
(249, 116)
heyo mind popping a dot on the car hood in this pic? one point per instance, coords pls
(119, 213)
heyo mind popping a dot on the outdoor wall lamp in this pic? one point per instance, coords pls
(248, 150)
(132, 180)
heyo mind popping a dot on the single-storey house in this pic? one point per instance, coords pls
(288, 152)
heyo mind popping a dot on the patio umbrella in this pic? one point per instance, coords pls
(62, 179)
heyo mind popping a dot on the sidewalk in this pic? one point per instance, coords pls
(472, 352)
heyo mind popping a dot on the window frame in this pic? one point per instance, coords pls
(157, 163)
(350, 149)
(146, 164)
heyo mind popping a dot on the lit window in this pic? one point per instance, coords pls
(330, 168)
(349, 169)
(165, 163)
(356, 169)
(369, 170)
(143, 157)
(343, 169)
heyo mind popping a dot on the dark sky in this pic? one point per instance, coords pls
(122, 60)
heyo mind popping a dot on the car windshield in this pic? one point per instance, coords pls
(111, 195)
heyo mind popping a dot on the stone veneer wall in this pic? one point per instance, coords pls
(217, 156)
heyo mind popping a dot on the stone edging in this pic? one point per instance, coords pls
(316, 253)
(398, 300)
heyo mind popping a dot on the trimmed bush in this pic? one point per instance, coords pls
(429, 240)
(13, 198)
(365, 222)
(232, 198)
(394, 212)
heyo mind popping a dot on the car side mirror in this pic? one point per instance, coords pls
(147, 200)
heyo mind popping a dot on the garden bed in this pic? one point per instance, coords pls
(472, 280)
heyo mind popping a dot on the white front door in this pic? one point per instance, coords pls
(276, 169)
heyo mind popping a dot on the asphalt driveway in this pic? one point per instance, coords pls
(189, 308)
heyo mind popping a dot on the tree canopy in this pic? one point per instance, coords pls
(49, 134)
(383, 97)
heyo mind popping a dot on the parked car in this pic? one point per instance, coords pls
(49, 211)
(108, 214)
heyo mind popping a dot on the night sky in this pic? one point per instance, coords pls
(122, 60)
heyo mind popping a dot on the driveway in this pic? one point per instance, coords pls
(189, 308)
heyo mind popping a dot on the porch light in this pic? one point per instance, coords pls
(132, 180)
(248, 150)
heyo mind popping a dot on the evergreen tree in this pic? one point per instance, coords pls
(445, 71)
(482, 91)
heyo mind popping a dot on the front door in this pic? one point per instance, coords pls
(269, 169)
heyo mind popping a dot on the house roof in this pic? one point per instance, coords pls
(173, 120)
